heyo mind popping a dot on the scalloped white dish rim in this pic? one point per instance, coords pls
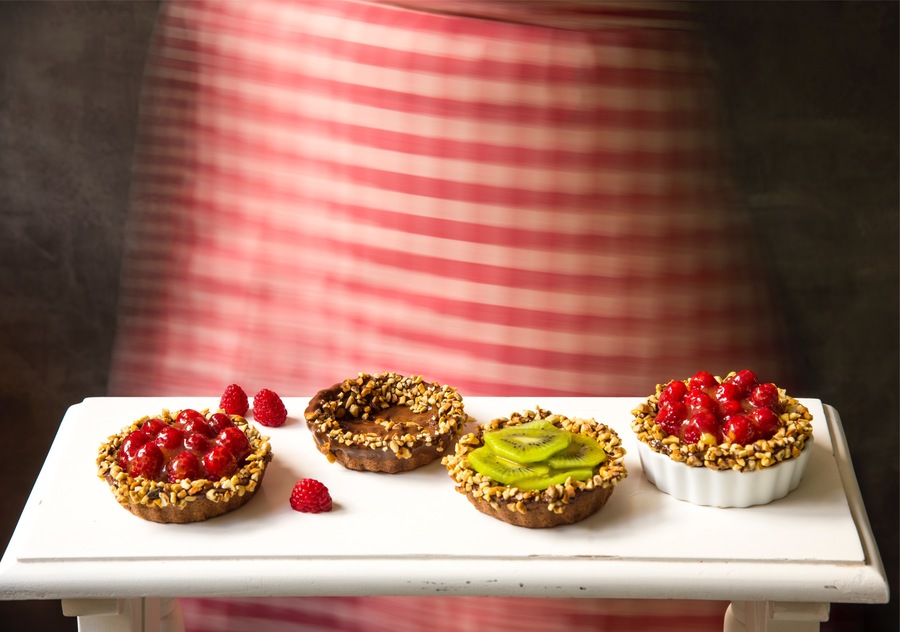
(723, 488)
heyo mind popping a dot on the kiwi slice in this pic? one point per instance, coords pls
(538, 423)
(581, 452)
(502, 470)
(526, 445)
(553, 477)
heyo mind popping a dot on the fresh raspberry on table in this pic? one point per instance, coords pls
(234, 401)
(268, 409)
(310, 496)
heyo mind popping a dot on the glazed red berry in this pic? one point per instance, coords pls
(673, 392)
(187, 414)
(234, 401)
(197, 442)
(764, 396)
(198, 425)
(671, 416)
(310, 496)
(219, 421)
(170, 438)
(738, 429)
(235, 441)
(152, 427)
(268, 409)
(730, 407)
(691, 433)
(745, 380)
(727, 391)
(702, 379)
(219, 462)
(765, 422)
(130, 446)
(184, 465)
(698, 400)
(148, 462)
(706, 422)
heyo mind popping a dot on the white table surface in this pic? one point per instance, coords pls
(413, 534)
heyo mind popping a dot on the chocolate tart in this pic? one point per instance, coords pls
(557, 505)
(185, 500)
(385, 422)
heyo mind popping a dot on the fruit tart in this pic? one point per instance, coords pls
(537, 469)
(732, 442)
(184, 466)
(385, 422)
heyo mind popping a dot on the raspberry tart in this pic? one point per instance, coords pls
(184, 466)
(536, 469)
(385, 422)
(725, 442)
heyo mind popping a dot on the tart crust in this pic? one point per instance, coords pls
(385, 422)
(788, 443)
(187, 500)
(539, 509)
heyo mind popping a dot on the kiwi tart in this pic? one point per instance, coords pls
(537, 469)
(385, 422)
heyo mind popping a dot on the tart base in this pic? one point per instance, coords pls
(581, 506)
(199, 510)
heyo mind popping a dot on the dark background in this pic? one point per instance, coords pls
(811, 95)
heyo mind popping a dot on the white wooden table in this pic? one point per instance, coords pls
(780, 565)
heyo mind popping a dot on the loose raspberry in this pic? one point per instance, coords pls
(310, 496)
(234, 401)
(268, 409)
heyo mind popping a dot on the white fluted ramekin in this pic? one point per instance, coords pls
(723, 488)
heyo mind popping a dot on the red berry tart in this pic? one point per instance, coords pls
(185, 466)
(538, 470)
(385, 422)
(731, 442)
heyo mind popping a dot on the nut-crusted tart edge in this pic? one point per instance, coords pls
(538, 509)
(186, 500)
(788, 443)
(361, 398)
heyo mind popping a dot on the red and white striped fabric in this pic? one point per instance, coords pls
(512, 198)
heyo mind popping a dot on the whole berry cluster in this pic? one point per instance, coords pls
(739, 409)
(308, 495)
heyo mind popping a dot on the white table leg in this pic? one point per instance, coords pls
(125, 615)
(775, 616)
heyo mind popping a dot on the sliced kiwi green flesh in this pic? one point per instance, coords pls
(554, 477)
(581, 452)
(538, 423)
(527, 445)
(501, 470)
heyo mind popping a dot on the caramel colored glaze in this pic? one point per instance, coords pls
(406, 422)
